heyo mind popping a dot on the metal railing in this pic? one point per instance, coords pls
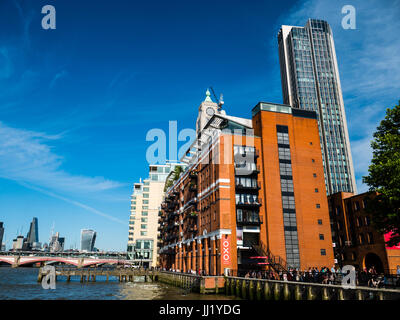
(275, 261)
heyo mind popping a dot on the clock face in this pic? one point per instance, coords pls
(210, 111)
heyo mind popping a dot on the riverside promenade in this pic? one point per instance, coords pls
(244, 288)
(264, 289)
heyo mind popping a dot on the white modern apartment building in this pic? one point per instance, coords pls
(143, 221)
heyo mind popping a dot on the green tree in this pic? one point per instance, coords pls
(384, 176)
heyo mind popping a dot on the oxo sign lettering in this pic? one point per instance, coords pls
(226, 256)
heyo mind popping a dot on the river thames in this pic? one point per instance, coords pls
(21, 284)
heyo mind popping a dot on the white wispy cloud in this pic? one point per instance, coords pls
(27, 157)
(58, 75)
(369, 64)
(75, 203)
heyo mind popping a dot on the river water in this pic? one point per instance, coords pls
(21, 283)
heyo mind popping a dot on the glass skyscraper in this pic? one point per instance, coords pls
(33, 234)
(1, 234)
(310, 81)
(88, 238)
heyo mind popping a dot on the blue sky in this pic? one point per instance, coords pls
(76, 102)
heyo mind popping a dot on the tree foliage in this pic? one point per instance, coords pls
(384, 176)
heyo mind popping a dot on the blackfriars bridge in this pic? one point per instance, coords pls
(79, 260)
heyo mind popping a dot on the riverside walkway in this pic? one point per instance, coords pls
(244, 288)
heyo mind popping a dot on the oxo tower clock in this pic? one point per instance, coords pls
(210, 111)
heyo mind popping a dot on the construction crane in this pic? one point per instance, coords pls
(220, 101)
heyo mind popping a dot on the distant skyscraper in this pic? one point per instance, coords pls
(33, 234)
(18, 243)
(56, 243)
(310, 81)
(88, 238)
(1, 234)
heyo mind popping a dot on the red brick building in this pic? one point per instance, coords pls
(356, 242)
(252, 188)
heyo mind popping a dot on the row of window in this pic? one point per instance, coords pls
(251, 216)
(288, 202)
(142, 233)
(246, 182)
(243, 198)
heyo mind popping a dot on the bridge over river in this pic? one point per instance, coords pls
(78, 260)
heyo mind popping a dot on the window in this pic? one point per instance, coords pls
(323, 252)
(143, 233)
(145, 195)
(288, 202)
(143, 226)
(313, 160)
(319, 221)
(143, 219)
(283, 138)
(145, 213)
(318, 206)
(286, 185)
(284, 153)
(361, 239)
(364, 202)
(316, 190)
(314, 175)
(370, 238)
(145, 201)
(321, 236)
(146, 244)
(285, 169)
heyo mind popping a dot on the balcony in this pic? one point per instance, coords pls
(192, 228)
(247, 169)
(249, 219)
(249, 203)
(253, 186)
(191, 215)
(193, 175)
(173, 215)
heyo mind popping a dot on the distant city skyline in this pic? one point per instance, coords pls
(75, 110)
